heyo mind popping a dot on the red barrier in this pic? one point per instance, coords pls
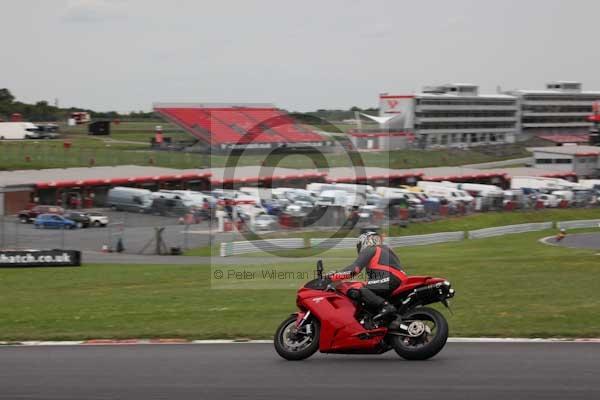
(444, 210)
(403, 213)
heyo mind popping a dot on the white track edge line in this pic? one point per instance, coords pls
(231, 341)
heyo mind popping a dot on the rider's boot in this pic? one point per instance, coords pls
(386, 310)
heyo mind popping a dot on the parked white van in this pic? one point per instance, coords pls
(17, 130)
(129, 199)
(189, 198)
(333, 198)
(438, 189)
(540, 183)
(486, 197)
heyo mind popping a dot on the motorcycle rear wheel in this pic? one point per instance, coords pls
(430, 342)
(297, 346)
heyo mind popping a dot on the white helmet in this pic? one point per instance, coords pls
(368, 239)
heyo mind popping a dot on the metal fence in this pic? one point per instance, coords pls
(420, 240)
(255, 246)
(135, 233)
(416, 240)
(583, 223)
(509, 229)
(399, 241)
(337, 243)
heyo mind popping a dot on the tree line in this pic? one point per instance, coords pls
(42, 111)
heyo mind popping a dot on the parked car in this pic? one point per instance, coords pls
(54, 221)
(98, 219)
(80, 219)
(28, 216)
(129, 199)
(42, 134)
(549, 200)
(265, 222)
(168, 207)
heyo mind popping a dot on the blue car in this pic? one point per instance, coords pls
(54, 221)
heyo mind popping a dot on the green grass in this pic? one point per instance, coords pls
(129, 144)
(138, 131)
(396, 159)
(86, 152)
(493, 219)
(506, 286)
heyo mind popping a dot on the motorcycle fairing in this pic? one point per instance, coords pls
(340, 331)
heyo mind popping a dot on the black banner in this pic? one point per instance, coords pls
(39, 258)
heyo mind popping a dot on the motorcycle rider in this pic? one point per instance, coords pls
(384, 274)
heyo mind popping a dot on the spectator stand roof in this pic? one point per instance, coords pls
(561, 139)
(526, 171)
(96, 176)
(132, 174)
(568, 150)
(254, 174)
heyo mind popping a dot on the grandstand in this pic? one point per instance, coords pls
(239, 127)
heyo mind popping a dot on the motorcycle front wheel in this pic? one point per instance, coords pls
(297, 344)
(430, 333)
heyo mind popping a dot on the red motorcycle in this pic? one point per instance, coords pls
(331, 322)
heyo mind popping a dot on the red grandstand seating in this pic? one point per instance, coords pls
(246, 126)
(238, 125)
(282, 124)
(195, 120)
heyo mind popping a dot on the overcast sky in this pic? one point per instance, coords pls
(301, 55)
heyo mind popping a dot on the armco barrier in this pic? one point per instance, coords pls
(255, 246)
(583, 223)
(229, 249)
(350, 242)
(334, 243)
(508, 229)
(419, 240)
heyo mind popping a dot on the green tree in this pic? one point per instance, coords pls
(6, 96)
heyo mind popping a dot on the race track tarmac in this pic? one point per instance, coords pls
(580, 241)
(254, 371)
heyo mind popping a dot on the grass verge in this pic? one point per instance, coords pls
(506, 286)
(129, 143)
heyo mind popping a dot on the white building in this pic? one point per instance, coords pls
(453, 115)
(582, 160)
(562, 108)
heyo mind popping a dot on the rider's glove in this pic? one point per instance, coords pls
(338, 276)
